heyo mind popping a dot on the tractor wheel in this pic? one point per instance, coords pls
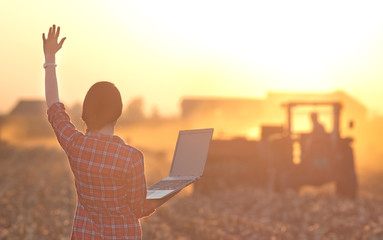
(347, 186)
(347, 183)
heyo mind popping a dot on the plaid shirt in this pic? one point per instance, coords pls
(109, 179)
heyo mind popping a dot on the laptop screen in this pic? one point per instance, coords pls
(191, 152)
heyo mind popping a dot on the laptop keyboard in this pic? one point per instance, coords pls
(169, 184)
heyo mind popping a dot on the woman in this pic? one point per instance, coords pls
(109, 174)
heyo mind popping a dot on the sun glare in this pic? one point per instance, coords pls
(293, 45)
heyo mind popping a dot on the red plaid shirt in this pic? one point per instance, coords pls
(109, 179)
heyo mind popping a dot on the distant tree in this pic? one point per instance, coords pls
(155, 113)
(134, 112)
(75, 112)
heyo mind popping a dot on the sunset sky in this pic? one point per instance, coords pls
(163, 50)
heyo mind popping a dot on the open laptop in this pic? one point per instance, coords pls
(188, 163)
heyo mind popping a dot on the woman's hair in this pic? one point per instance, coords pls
(102, 105)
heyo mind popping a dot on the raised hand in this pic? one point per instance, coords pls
(51, 44)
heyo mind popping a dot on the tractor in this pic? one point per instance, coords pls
(286, 156)
(298, 158)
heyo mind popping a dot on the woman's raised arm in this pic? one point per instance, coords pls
(51, 46)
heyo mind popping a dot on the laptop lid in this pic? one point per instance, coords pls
(191, 152)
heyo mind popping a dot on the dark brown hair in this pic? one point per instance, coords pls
(102, 105)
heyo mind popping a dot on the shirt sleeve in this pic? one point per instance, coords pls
(138, 189)
(65, 131)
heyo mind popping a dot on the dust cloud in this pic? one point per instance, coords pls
(27, 125)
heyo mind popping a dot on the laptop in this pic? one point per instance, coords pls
(188, 163)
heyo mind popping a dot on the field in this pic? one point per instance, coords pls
(37, 201)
